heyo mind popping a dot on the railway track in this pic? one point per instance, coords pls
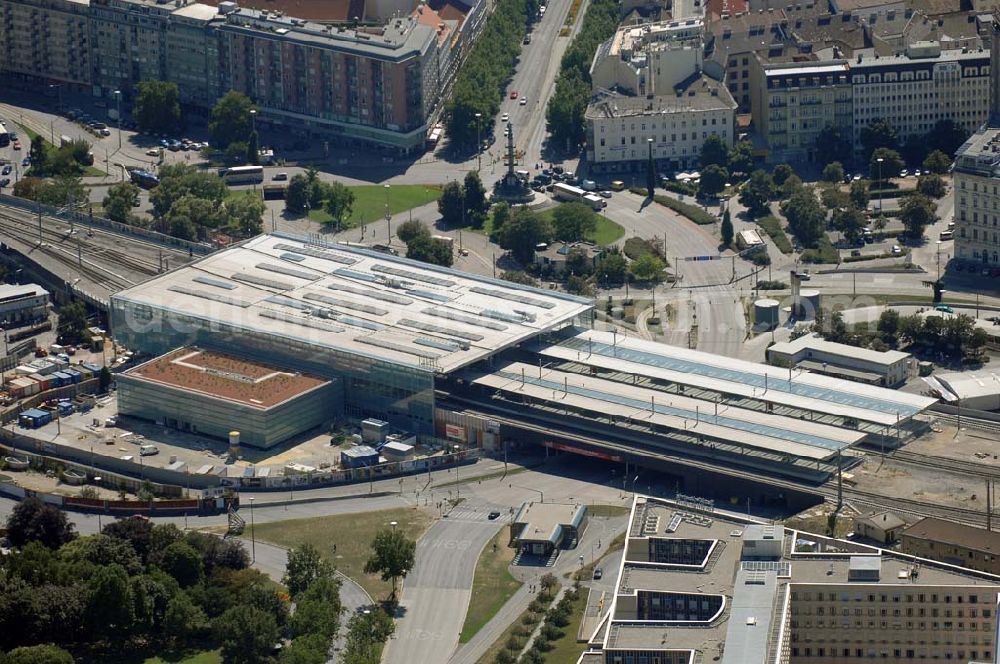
(968, 422)
(943, 463)
(828, 491)
(52, 245)
(70, 248)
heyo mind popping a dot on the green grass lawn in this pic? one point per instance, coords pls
(352, 534)
(607, 232)
(566, 648)
(369, 202)
(492, 585)
(88, 171)
(824, 252)
(772, 227)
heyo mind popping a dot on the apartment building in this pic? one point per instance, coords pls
(46, 40)
(368, 84)
(792, 102)
(648, 59)
(650, 91)
(977, 199)
(620, 127)
(697, 584)
(374, 84)
(916, 89)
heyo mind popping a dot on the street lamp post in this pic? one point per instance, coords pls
(253, 534)
(388, 218)
(479, 142)
(118, 102)
(253, 130)
(880, 185)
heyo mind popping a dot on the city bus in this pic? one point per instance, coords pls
(243, 175)
(4, 136)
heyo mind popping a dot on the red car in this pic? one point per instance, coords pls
(16, 145)
(513, 94)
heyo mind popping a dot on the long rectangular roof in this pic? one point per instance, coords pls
(803, 390)
(773, 433)
(359, 301)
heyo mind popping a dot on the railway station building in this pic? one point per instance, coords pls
(483, 362)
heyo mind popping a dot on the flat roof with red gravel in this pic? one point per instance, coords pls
(225, 377)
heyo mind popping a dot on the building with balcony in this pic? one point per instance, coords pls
(977, 197)
(792, 103)
(46, 40)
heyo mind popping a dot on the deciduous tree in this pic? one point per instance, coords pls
(157, 106)
(392, 556)
(231, 121)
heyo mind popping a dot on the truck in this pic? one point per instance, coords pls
(64, 140)
(595, 201)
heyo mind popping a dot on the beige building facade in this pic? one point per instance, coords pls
(977, 199)
(792, 103)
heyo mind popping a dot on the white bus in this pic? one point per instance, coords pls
(567, 192)
(243, 175)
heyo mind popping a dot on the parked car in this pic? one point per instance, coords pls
(505, 117)
(588, 185)
(855, 252)
(598, 573)
(16, 145)
(5, 182)
(494, 515)
(604, 193)
(280, 176)
(5, 171)
(513, 94)
(896, 250)
(26, 162)
(152, 152)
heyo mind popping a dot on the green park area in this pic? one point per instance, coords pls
(492, 585)
(605, 232)
(369, 202)
(345, 539)
(204, 657)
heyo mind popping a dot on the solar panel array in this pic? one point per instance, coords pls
(300, 320)
(346, 304)
(262, 281)
(463, 318)
(430, 295)
(316, 253)
(398, 347)
(288, 271)
(783, 568)
(513, 297)
(416, 276)
(196, 292)
(286, 301)
(354, 274)
(373, 294)
(438, 343)
(440, 329)
(218, 283)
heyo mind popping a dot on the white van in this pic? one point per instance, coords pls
(148, 450)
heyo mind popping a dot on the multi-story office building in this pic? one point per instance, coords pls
(698, 585)
(46, 40)
(920, 87)
(953, 543)
(650, 87)
(792, 103)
